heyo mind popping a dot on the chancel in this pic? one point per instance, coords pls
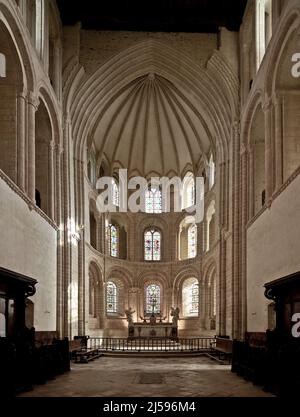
(154, 299)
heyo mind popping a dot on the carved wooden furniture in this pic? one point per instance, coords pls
(272, 359)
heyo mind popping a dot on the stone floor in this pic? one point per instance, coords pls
(148, 377)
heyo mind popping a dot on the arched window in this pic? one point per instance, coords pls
(190, 297)
(211, 173)
(115, 193)
(263, 28)
(2, 66)
(113, 240)
(152, 296)
(153, 200)
(111, 298)
(187, 238)
(92, 296)
(152, 245)
(192, 241)
(188, 195)
(91, 168)
(210, 225)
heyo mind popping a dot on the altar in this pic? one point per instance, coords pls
(153, 326)
(148, 330)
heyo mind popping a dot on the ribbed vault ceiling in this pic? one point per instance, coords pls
(151, 127)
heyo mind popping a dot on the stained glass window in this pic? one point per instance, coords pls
(113, 240)
(111, 298)
(115, 193)
(188, 199)
(153, 200)
(190, 297)
(152, 293)
(192, 241)
(152, 245)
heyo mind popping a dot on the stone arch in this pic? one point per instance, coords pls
(288, 26)
(251, 131)
(183, 237)
(121, 278)
(17, 35)
(284, 89)
(156, 278)
(126, 69)
(53, 111)
(209, 298)
(96, 296)
(156, 222)
(93, 229)
(14, 88)
(120, 273)
(44, 148)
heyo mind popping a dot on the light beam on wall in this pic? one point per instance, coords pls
(2, 66)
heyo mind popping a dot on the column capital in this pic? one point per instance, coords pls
(22, 94)
(134, 290)
(59, 148)
(266, 106)
(236, 125)
(33, 100)
(244, 149)
(277, 99)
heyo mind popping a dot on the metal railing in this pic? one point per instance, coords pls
(106, 344)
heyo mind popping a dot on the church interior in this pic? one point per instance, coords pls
(204, 92)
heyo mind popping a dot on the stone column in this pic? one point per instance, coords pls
(67, 250)
(59, 220)
(56, 68)
(223, 251)
(200, 245)
(134, 302)
(98, 219)
(244, 220)
(278, 142)
(168, 305)
(267, 108)
(236, 295)
(251, 184)
(246, 72)
(32, 104)
(21, 103)
(101, 304)
(22, 6)
(51, 187)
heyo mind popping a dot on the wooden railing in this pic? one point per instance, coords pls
(105, 344)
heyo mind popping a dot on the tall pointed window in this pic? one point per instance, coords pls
(115, 193)
(153, 200)
(188, 197)
(111, 298)
(211, 172)
(152, 295)
(192, 241)
(152, 245)
(2, 66)
(190, 297)
(113, 240)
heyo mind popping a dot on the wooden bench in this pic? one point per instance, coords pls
(221, 349)
(85, 355)
(74, 347)
(80, 353)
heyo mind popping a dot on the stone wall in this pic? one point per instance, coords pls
(28, 246)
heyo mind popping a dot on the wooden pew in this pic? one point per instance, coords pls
(221, 349)
(80, 353)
